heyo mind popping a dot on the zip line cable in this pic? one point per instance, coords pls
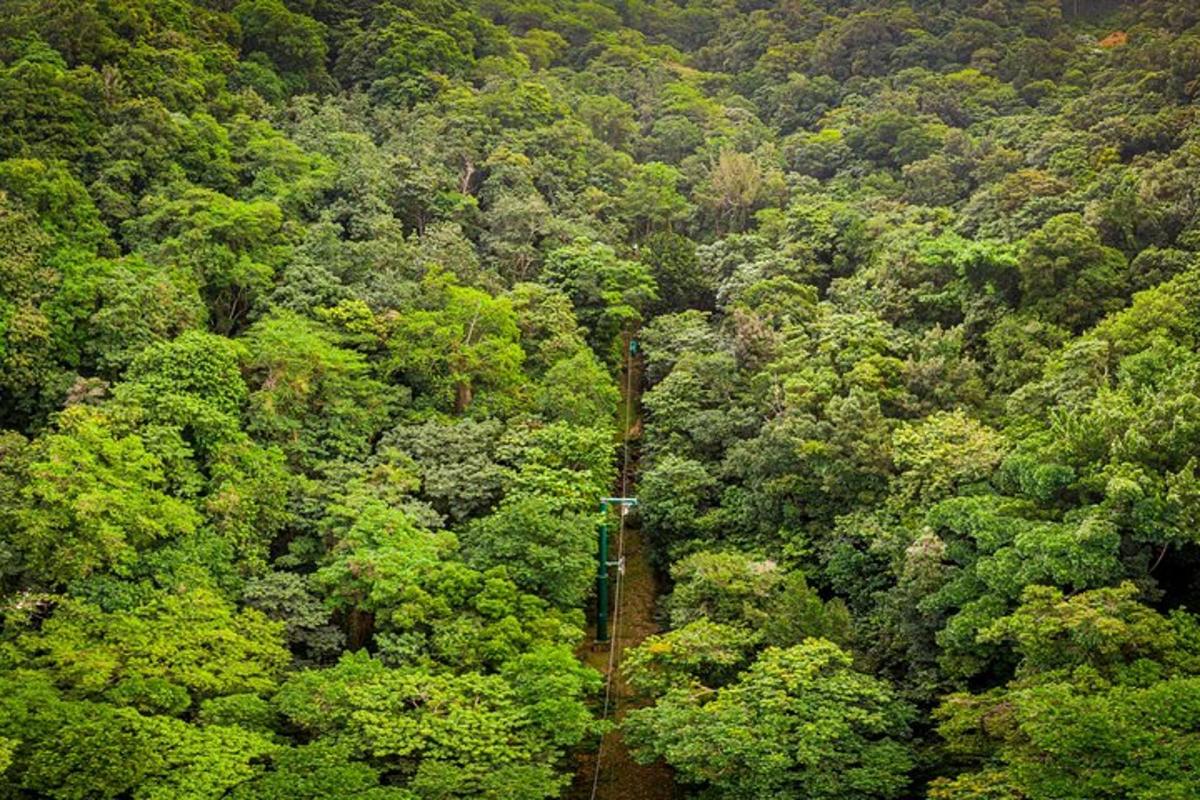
(615, 641)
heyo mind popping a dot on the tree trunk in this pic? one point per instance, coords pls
(462, 396)
(359, 627)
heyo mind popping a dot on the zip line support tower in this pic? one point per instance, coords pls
(603, 564)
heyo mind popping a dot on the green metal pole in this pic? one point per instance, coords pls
(602, 579)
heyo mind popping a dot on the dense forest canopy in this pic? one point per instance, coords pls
(312, 324)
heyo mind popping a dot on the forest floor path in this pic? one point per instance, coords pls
(620, 777)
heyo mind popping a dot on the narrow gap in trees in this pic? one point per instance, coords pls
(622, 778)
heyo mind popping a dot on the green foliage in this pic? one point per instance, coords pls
(677, 492)
(60, 201)
(92, 498)
(724, 587)
(26, 335)
(440, 735)
(1068, 276)
(944, 452)
(319, 771)
(53, 114)
(424, 604)
(798, 723)
(465, 343)
(293, 42)
(651, 199)
(233, 247)
(289, 598)
(194, 380)
(578, 390)
(546, 320)
(163, 657)
(80, 749)
(546, 552)
(188, 395)
(312, 321)
(399, 56)
(676, 269)
(609, 293)
(314, 399)
(569, 465)
(703, 651)
(999, 547)
(1097, 708)
(456, 463)
(108, 311)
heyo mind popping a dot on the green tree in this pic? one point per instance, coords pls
(293, 42)
(819, 154)
(578, 390)
(93, 499)
(107, 311)
(322, 770)
(609, 293)
(63, 207)
(311, 397)
(676, 269)
(440, 735)
(943, 452)
(399, 55)
(799, 722)
(74, 749)
(651, 199)
(234, 247)
(456, 462)
(676, 492)
(1068, 276)
(547, 553)
(163, 657)
(465, 342)
(702, 652)
(568, 465)
(612, 120)
(188, 396)
(736, 185)
(733, 588)
(27, 362)
(549, 330)
(1097, 708)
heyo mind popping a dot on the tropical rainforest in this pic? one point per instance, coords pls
(316, 319)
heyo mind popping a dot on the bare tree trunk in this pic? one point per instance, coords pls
(468, 174)
(359, 627)
(463, 395)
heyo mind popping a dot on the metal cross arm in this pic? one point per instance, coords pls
(618, 501)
